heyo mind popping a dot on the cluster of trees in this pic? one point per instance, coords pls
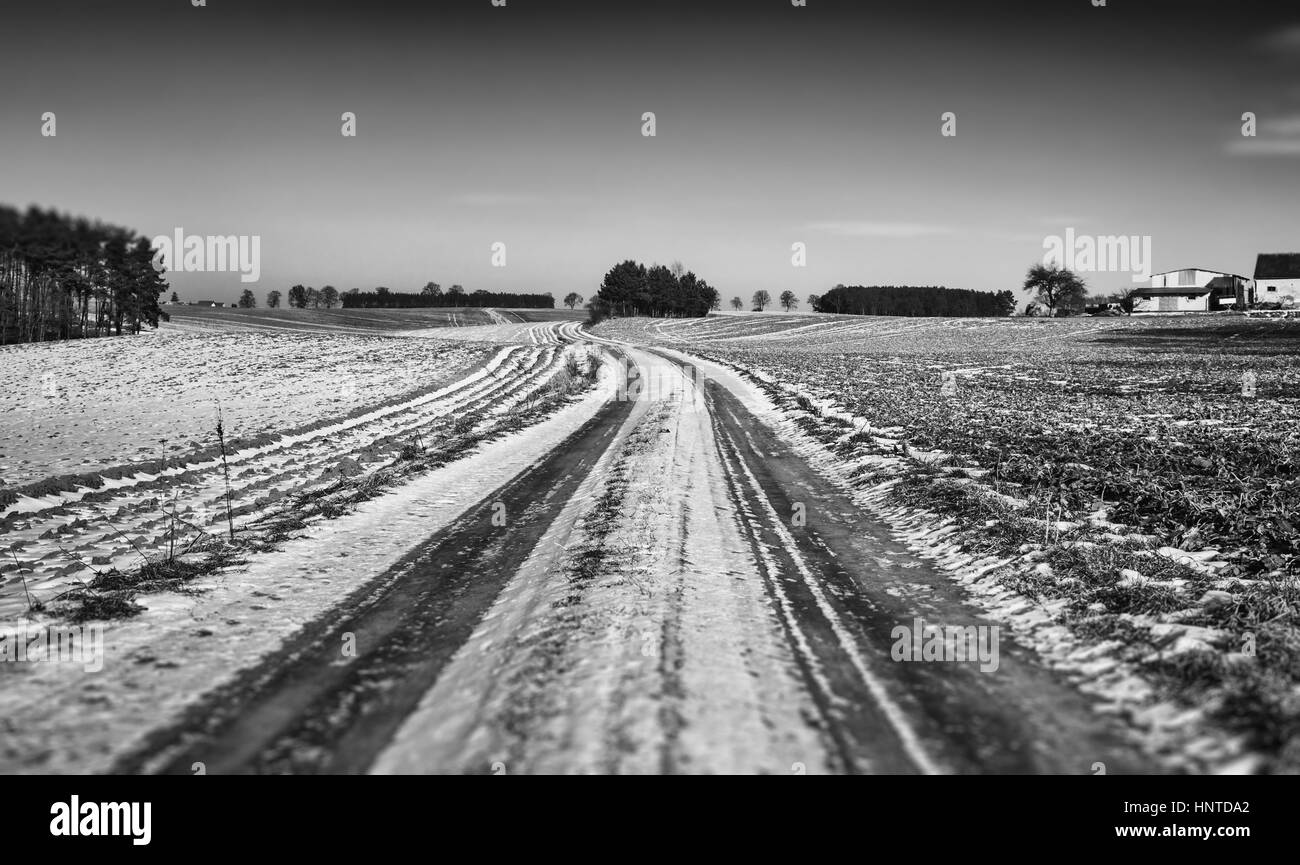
(1058, 289)
(301, 297)
(63, 277)
(915, 300)
(762, 299)
(631, 288)
(432, 295)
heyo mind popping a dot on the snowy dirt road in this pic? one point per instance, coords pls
(669, 588)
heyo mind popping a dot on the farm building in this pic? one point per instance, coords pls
(1277, 277)
(210, 303)
(1191, 290)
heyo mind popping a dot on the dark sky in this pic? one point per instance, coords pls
(775, 125)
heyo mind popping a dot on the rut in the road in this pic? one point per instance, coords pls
(110, 527)
(647, 647)
(646, 606)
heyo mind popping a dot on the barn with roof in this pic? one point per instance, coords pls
(1277, 278)
(1191, 290)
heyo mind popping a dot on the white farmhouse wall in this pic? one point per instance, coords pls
(1182, 278)
(1275, 290)
(1171, 303)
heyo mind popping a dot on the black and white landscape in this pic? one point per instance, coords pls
(649, 388)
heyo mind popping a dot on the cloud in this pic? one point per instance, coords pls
(1265, 147)
(896, 230)
(492, 199)
(909, 230)
(1013, 236)
(1288, 126)
(1277, 137)
(1285, 41)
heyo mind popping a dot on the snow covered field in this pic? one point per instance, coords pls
(1111, 488)
(75, 407)
(158, 663)
(554, 577)
(300, 411)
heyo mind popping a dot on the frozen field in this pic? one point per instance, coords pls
(77, 407)
(559, 576)
(351, 321)
(1133, 478)
(97, 461)
(573, 579)
(340, 321)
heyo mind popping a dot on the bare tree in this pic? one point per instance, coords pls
(1126, 297)
(761, 299)
(1054, 286)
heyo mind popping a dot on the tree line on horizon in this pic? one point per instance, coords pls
(631, 288)
(65, 277)
(915, 300)
(432, 295)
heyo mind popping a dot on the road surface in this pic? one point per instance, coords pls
(670, 588)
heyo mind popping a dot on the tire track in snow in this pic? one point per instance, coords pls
(646, 648)
(909, 742)
(301, 710)
(89, 521)
(644, 609)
